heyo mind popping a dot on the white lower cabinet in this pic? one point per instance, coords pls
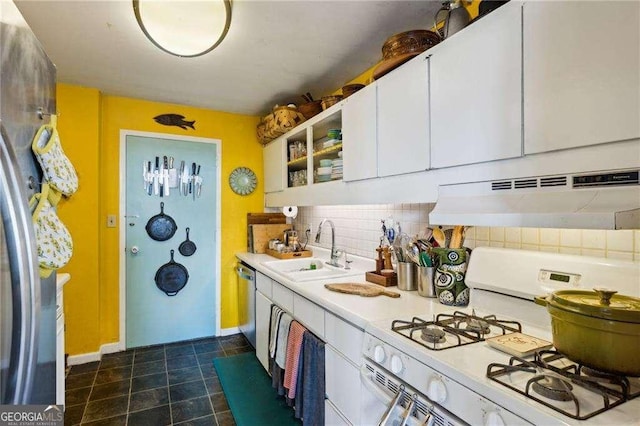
(342, 384)
(332, 417)
(282, 297)
(346, 338)
(263, 284)
(342, 349)
(309, 314)
(263, 315)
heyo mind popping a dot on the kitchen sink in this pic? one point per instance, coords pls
(308, 269)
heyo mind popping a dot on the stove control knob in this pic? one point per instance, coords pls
(396, 364)
(378, 354)
(493, 418)
(437, 391)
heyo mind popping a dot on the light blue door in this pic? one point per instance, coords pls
(153, 317)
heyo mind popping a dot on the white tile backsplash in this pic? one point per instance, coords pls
(549, 237)
(570, 238)
(570, 250)
(594, 239)
(593, 252)
(513, 235)
(530, 236)
(496, 234)
(358, 230)
(624, 255)
(620, 241)
(482, 233)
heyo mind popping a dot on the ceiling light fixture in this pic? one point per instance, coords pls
(184, 28)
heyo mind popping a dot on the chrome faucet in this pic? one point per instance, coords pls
(335, 253)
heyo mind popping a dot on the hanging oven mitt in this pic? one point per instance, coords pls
(56, 167)
(53, 240)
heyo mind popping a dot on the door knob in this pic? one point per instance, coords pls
(134, 250)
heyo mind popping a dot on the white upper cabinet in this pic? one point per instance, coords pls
(359, 135)
(581, 73)
(476, 92)
(273, 158)
(403, 119)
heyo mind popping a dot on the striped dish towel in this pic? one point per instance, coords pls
(294, 344)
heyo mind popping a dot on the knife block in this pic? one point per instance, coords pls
(385, 281)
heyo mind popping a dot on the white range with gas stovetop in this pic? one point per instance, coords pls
(451, 381)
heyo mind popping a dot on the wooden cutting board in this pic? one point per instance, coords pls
(365, 290)
(518, 344)
(259, 235)
(265, 218)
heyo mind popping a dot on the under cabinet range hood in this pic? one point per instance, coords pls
(597, 200)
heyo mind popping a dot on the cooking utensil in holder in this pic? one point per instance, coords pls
(407, 276)
(425, 281)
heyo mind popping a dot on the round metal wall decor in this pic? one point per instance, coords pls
(243, 181)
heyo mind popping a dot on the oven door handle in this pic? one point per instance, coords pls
(391, 403)
(367, 381)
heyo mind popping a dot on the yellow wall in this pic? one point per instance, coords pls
(79, 128)
(90, 125)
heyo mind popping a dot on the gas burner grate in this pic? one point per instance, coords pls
(476, 324)
(452, 330)
(564, 386)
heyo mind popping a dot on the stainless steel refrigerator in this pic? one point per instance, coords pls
(27, 303)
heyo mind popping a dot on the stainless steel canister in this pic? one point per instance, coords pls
(407, 276)
(425, 281)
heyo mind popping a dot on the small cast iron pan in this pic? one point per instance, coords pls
(187, 247)
(161, 227)
(172, 277)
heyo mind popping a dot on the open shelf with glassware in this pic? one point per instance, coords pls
(326, 144)
(313, 150)
(297, 158)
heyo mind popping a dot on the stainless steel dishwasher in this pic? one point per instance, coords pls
(247, 301)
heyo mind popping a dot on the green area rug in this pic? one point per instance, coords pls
(249, 393)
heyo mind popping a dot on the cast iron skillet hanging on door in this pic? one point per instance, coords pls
(187, 247)
(172, 277)
(161, 227)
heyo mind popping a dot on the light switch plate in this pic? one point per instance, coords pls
(111, 221)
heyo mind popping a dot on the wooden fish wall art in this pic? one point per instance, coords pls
(174, 120)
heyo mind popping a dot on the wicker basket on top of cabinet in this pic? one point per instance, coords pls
(277, 123)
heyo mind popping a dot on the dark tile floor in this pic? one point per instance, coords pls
(172, 384)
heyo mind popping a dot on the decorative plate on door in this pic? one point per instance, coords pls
(243, 181)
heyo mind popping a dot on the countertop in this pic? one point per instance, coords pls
(355, 309)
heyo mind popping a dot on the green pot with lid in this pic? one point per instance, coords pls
(599, 329)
